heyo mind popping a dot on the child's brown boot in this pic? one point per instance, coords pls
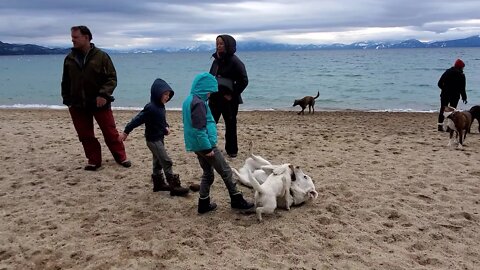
(175, 188)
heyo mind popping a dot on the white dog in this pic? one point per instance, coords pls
(301, 190)
(277, 185)
(253, 165)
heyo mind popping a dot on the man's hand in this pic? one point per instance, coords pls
(168, 131)
(465, 101)
(211, 154)
(122, 136)
(228, 97)
(101, 102)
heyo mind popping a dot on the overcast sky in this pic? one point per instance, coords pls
(175, 23)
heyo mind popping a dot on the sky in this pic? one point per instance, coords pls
(129, 24)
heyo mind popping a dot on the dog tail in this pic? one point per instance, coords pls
(318, 94)
(255, 183)
(250, 147)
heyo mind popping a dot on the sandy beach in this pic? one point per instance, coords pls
(392, 195)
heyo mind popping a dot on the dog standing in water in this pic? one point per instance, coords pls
(306, 101)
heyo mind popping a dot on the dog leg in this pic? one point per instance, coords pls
(261, 161)
(259, 210)
(450, 141)
(460, 138)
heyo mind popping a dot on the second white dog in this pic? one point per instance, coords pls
(277, 185)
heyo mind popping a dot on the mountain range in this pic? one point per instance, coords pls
(473, 41)
(28, 49)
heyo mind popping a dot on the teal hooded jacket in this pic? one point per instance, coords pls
(199, 127)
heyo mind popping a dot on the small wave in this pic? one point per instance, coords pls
(127, 108)
(404, 110)
(33, 106)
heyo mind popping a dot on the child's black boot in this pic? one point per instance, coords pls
(238, 202)
(204, 205)
(159, 183)
(175, 188)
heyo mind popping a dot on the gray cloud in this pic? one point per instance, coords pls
(147, 23)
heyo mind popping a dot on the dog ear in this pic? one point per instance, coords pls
(280, 169)
(293, 172)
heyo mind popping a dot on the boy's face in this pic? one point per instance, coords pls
(165, 97)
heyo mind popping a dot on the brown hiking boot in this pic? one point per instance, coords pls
(175, 188)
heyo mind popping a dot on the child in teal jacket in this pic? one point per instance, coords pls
(200, 135)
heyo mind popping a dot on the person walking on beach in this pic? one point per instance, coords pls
(88, 81)
(200, 135)
(452, 84)
(154, 117)
(232, 81)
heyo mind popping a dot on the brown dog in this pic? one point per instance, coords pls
(458, 122)
(306, 101)
(475, 111)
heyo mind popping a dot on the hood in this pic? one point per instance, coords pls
(203, 84)
(230, 44)
(159, 87)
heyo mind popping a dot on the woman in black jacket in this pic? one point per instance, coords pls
(232, 80)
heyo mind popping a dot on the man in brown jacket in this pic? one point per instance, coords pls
(88, 81)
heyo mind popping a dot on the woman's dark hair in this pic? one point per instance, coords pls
(84, 30)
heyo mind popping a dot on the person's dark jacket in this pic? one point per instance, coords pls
(229, 66)
(153, 114)
(87, 77)
(452, 82)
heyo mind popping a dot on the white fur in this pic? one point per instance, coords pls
(252, 164)
(301, 190)
(277, 185)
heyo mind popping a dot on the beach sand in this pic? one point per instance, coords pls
(392, 195)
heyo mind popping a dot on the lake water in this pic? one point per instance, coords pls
(367, 80)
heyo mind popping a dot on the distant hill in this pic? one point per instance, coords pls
(26, 49)
(473, 41)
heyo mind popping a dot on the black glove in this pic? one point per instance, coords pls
(465, 101)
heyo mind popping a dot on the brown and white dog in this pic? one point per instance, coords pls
(459, 123)
(475, 111)
(306, 101)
